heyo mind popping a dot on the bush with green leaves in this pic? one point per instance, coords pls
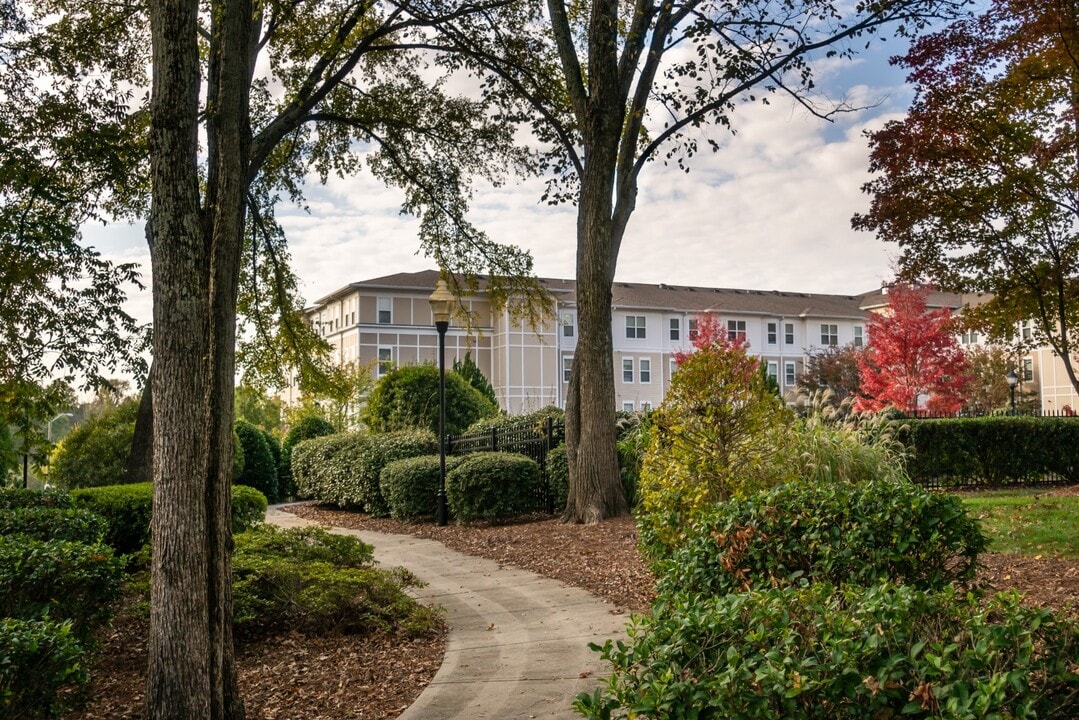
(17, 497)
(127, 510)
(96, 450)
(312, 581)
(311, 426)
(410, 486)
(558, 477)
(493, 486)
(53, 523)
(536, 421)
(42, 668)
(319, 465)
(806, 532)
(259, 469)
(825, 653)
(407, 398)
(59, 580)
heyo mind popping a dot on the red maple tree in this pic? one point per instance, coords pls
(912, 352)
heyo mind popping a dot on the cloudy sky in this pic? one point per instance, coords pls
(770, 211)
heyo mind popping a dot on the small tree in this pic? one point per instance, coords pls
(832, 368)
(913, 352)
(407, 397)
(471, 372)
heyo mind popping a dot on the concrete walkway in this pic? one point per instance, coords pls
(518, 642)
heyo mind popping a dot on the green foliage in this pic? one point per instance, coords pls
(308, 427)
(259, 470)
(254, 406)
(59, 580)
(38, 660)
(96, 450)
(316, 468)
(807, 531)
(17, 497)
(410, 487)
(9, 458)
(51, 523)
(493, 486)
(822, 653)
(558, 476)
(312, 581)
(470, 371)
(1028, 522)
(127, 509)
(535, 420)
(712, 439)
(407, 398)
(994, 450)
(634, 434)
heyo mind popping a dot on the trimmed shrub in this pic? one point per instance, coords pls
(410, 487)
(259, 469)
(822, 653)
(59, 580)
(17, 497)
(52, 523)
(38, 659)
(558, 476)
(306, 428)
(127, 510)
(407, 398)
(493, 486)
(96, 450)
(309, 580)
(318, 467)
(808, 532)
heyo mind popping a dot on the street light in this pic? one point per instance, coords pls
(1012, 379)
(440, 308)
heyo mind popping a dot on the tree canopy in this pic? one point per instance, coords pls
(979, 184)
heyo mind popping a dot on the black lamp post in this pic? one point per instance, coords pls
(440, 308)
(1012, 379)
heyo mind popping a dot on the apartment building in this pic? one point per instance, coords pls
(387, 321)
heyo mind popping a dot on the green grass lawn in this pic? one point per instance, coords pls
(1027, 522)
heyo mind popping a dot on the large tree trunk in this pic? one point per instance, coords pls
(195, 255)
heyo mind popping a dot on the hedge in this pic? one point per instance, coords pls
(306, 428)
(259, 469)
(493, 486)
(410, 487)
(17, 497)
(52, 523)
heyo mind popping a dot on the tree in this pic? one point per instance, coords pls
(988, 390)
(978, 185)
(610, 86)
(912, 353)
(832, 368)
(255, 407)
(407, 398)
(470, 371)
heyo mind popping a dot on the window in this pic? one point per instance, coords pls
(646, 406)
(385, 310)
(627, 370)
(385, 360)
(970, 337)
(788, 374)
(859, 336)
(829, 335)
(1026, 329)
(671, 366)
(635, 326)
(627, 406)
(692, 329)
(736, 330)
(646, 369)
(567, 368)
(773, 370)
(675, 328)
(773, 333)
(788, 333)
(1028, 369)
(567, 325)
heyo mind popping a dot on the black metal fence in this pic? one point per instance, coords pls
(525, 438)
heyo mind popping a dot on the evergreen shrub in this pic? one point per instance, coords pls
(808, 532)
(42, 668)
(824, 653)
(319, 466)
(306, 428)
(493, 486)
(410, 486)
(407, 398)
(52, 523)
(259, 469)
(558, 477)
(96, 450)
(17, 497)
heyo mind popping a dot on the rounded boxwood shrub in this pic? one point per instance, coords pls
(808, 532)
(318, 466)
(822, 653)
(38, 659)
(127, 510)
(378, 452)
(96, 450)
(306, 428)
(52, 523)
(494, 487)
(407, 397)
(410, 486)
(259, 469)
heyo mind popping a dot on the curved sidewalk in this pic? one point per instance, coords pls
(518, 642)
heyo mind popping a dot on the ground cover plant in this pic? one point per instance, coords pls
(1028, 522)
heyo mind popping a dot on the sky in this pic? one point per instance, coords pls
(770, 210)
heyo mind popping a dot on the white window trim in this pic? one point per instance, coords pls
(379, 310)
(771, 333)
(632, 371)
(381, 370)
(788, 334)
(790, 379)
(627, 406)
(674, 329)
(567, 368)
(638, 329)
(640, 371)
